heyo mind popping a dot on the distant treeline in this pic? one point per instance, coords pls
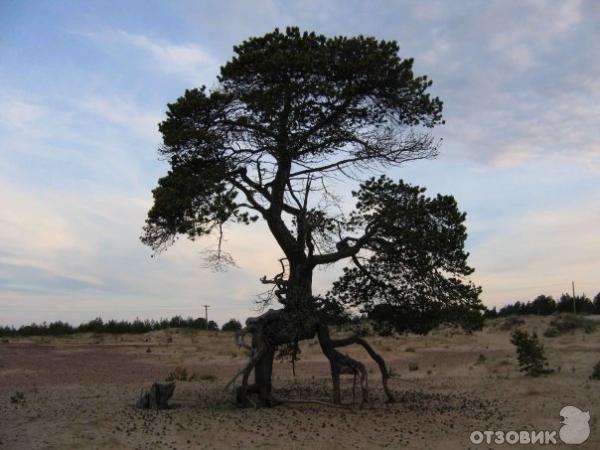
(545, 305)
(116, 326)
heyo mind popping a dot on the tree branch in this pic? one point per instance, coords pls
(347, 252)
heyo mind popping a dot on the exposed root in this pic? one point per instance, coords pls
(385, 376)
(246, 370)
(272, 329)
(341, 363)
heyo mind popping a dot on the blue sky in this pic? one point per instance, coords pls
(84, 85)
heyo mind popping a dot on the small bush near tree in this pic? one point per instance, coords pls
(530, 353)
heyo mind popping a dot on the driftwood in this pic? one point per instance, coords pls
(156, 397)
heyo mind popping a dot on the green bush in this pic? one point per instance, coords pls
(530, 353)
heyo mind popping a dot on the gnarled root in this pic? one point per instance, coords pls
(273, 329)
(341, 363)
(385, 376)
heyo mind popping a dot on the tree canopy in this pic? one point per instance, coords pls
(292, 110)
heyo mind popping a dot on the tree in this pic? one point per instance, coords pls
(530, 353)
(232, 325)
(597, 303)
(583, 305)
(291, 111)
(543, 305)
(212, 326)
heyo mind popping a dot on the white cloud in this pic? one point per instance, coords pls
(124, 113)
(19, 114)
(519, 35)
(184, 58)
(189, 60)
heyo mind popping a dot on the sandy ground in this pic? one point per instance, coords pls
(79, 393)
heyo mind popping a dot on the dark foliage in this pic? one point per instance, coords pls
(530, 353)
(412, 278)
(583, 305)
(232, 325)
(545, 305)
(112, 326)
(285, 99)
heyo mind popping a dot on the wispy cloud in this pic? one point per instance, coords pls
(78, 132)
(124, 113)
(17, 113)
(189, 60)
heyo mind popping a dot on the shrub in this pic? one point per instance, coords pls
(510, 322)
(413, 366)
(180, 374)
(530, 353)
(17, 398)
(569, 322)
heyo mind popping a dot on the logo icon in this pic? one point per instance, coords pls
(575, 429)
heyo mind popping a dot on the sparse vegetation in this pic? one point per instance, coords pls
(510, 322)
(412, 366)
(180, 374)
(17, 398)
(530, 353)
(565, 323)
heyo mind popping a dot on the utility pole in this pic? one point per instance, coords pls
(574, 304)
(206, 315)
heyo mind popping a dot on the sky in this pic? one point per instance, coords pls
(84, 85)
